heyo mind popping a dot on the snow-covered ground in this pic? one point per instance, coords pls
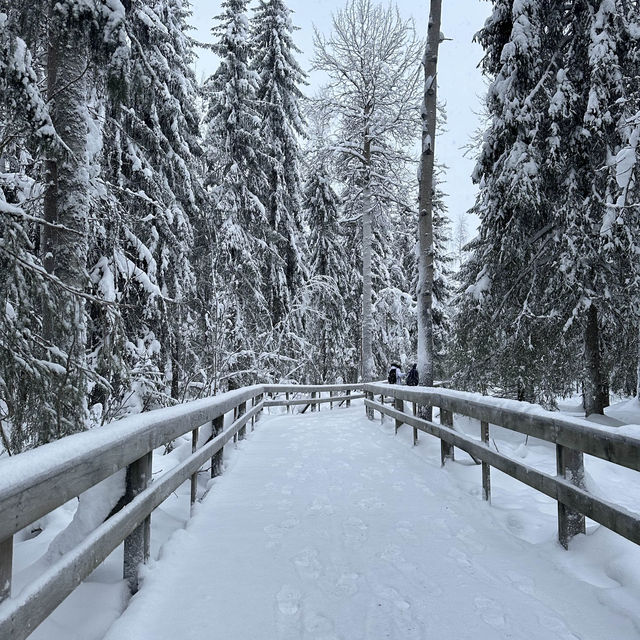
(326, 526)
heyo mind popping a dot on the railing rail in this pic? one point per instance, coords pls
(572, 437)
(316, 392)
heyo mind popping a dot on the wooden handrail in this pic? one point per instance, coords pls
(572, 437)
(523, 417)
(312, 388)
(304, 401)
(35, 483)
(20, 616)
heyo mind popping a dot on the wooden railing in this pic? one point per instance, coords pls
(35, 483)
(572, 437)
(338, 394)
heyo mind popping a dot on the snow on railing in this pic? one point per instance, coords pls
(573, 438)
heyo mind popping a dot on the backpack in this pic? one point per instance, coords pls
(412, 378)
(392, 379)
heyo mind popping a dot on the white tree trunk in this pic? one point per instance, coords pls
(426, 189)
(367, 311)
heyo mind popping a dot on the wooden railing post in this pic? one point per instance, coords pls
(286, 396)
(570, 465)
(331, 396)
(137, 544)
(216, 461)
(253, 418)
(6, 568)
(313, 404)
(369, 410)
(446, 449)
(242, 409)
(194, 477)
(399, 406)
(486, 467)
(259, 415)
(348, 399)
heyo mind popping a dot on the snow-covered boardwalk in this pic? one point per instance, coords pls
(326, 527)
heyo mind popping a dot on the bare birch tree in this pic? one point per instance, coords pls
(429, 114)
(372, 60)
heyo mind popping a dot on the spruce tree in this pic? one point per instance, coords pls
(503, 333)
(236, 161)
(326, 327)
(142, 253)
(26, 379)
(545, 289)
(591, 108)
(279, 78)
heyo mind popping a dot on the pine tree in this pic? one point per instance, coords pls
(327, 325)
(278, 95)
(236, 159)
(502, 329)
(142, 252)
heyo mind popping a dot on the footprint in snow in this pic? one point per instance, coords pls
(290, 523)
(347, 584)
(321, 505)
(460, 557)
(288, 599)
(394, 598)
(392, 553)
(390, 616)
(355, 530)
(491, 612)
(405, 529)
(558, 627)
(370, 504)
(288, 613)
(315, 622)
(307, 564)
(522, 583)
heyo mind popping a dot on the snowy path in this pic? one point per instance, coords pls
(326, 527)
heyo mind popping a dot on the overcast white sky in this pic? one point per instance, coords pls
(460, 82)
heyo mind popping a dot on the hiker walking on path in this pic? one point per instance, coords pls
(395, 374)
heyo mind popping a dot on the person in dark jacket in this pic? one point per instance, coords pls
(413, 379)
